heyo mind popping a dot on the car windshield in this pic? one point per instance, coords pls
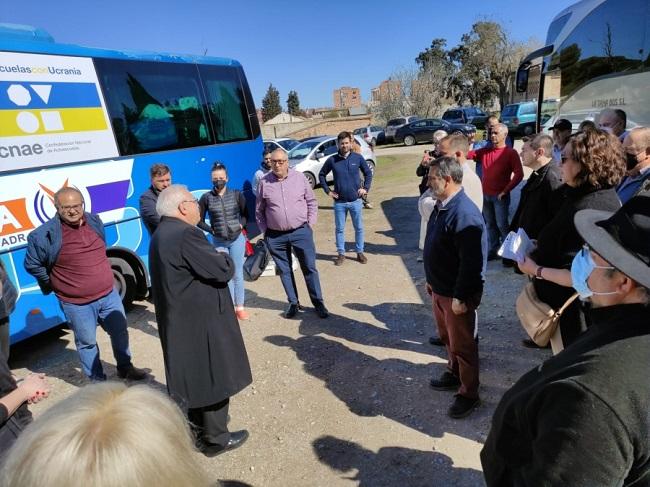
(509, 111)
(303, 149)
(288, 144)
(395, 121)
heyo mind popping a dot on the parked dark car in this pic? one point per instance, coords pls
(395, 123)
(422, 130)
(473, 115)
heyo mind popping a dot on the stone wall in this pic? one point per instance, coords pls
(308, 128)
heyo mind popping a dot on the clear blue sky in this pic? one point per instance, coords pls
(309, 46)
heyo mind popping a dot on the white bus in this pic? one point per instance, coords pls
(597, 55)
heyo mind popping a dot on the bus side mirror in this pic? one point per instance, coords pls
(522, 78)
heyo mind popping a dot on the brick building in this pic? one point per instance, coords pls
(346, 97)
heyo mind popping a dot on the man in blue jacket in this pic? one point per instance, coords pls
(348, 193)
(455, 256)
(67, 255)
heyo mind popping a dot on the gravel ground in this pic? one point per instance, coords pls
(343, 401)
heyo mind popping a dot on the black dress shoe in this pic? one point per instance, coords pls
(132, 373)
(291, 311)
(462, 406)
(321, 310)
(237, 439)
(436, 341)
(446, 382)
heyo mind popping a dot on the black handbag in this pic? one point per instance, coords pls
(255, 264)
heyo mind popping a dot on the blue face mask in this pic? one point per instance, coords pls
(581, 268)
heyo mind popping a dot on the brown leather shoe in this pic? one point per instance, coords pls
(362, 258)
(339, 259)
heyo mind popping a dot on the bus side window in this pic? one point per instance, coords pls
(154, 106)
(226, 103)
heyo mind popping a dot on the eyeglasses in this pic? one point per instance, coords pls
(278, 161)
(76, 207)
(191, 201)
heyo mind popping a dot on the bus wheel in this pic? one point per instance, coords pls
(528, 130)
(124, 283)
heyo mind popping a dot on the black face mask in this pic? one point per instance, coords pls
(219, 184)
(630, 161)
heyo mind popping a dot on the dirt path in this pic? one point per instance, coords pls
(343, 401)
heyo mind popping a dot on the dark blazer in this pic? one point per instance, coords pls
(539, 200)
(580, 419)
(203, 349)
(148, 213)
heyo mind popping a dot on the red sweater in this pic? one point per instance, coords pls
(82, 272)
(498, 167)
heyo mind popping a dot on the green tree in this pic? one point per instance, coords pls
(293, 104)
(271, 103)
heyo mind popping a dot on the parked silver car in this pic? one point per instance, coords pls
(309, 156)
(373, 134)
(395, 123)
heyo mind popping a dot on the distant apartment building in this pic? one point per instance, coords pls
(347, 97)
(386, 90)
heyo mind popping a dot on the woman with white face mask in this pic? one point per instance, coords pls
(593, 163)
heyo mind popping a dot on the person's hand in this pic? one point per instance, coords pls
(428, 289)
(362, 192)
(528, 266)
(501, 196)
(458, 307)
(335, 196)
(35, 387)
(426, 159)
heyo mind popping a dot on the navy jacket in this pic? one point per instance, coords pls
(455, 249)
(44, 245)
(347, 176)
(148, 213)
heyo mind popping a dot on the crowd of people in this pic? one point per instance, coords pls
(581, 417)
(586, 207)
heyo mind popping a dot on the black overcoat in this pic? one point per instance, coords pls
(203, 349)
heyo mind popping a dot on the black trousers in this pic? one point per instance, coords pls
(210, 423)
(4, 336)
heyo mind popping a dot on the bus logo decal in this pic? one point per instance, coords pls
(14, 217)
(33, 108)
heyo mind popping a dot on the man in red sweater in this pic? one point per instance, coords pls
(501, 172)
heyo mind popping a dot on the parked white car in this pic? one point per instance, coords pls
(309, 156)
(284, 143)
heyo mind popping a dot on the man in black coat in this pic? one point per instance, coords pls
(581, 418)
(203, 349)
(540, 199)
(161, 178)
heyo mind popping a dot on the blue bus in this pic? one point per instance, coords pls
(597, 55)
(97, 120)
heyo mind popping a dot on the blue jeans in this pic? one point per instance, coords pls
(83, 319)
(301, 240)
(495, 213)
(236, 249)
(340, 215)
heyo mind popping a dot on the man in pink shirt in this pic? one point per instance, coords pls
(286, 212)
(501, 172)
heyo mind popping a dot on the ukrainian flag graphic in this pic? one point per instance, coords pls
(47, 108)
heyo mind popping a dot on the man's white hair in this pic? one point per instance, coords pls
(170, 198)
(502, 127)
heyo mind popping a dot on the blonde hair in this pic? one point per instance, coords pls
(106, 435)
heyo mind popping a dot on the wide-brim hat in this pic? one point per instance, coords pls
(621, 238)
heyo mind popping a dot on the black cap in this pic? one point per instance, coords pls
(562, 124)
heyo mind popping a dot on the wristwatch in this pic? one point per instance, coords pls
(538, 272)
